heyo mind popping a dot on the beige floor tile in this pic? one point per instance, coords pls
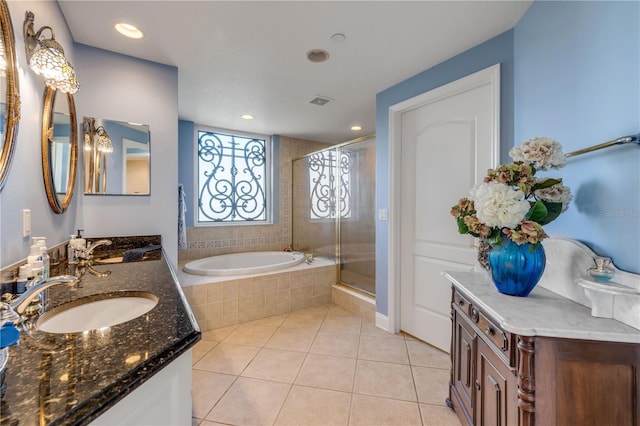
(368, 410)
(218, 334)
(433, 415)
(343, 369)
(425, 355)
(327, 372)
(273, 321)
(250, 402)
(383, 349)
(227, 358)
(345, 345)
(369, 329)
(311, 406)
(293, 339)
(195, 422)
(432, 384)
(200, 349)
(206, 389)
(256, 335)
(335, 310)
(341, 325)
(384, 380)
(276, 365)
(305, 320)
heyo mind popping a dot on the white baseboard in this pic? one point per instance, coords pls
(382, 321)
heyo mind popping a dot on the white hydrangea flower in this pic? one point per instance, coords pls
(498, 205)
(545, 153)
(556, 194)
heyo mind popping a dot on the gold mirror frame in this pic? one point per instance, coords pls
(13, 93)
(58, 205)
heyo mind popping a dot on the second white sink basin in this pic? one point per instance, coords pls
(96, 312)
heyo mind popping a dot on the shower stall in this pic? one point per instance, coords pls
(333, 204)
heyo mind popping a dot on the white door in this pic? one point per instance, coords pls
(448, 141)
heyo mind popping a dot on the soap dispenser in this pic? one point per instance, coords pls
(41, 242)
(72, 253)
(34, 254)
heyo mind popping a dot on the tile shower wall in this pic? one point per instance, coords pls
(216, 240)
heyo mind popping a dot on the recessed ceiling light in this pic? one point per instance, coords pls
(128, 30)
(247, 116)
(356, 128)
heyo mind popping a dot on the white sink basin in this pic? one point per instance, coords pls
(96, 312)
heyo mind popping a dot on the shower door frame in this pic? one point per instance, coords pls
(338, 254)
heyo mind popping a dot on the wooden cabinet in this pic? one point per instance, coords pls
(495, 389)
(501, 378)
(483, 380)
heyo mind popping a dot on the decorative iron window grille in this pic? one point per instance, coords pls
(232, 178)
(325, 174)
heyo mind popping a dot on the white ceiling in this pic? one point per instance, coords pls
(237, 57)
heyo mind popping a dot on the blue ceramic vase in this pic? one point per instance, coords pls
(516, 269)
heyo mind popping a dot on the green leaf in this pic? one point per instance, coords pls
(462, 227)
(545, 184)
(553, 211)
(495, 239)
(537, 212)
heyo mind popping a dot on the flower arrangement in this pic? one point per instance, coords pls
(512, 202)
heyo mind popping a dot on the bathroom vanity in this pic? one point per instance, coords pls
(542, 359)
(135, 372)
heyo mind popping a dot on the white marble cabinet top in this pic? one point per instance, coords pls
(542, 313)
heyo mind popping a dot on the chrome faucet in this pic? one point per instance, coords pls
(20, 304)
(86, 253)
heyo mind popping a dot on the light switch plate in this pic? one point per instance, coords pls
(26, 222)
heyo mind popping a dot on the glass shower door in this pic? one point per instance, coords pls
(357, 219)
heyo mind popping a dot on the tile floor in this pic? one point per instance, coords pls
(317, 366)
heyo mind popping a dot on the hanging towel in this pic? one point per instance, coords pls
(182, 224)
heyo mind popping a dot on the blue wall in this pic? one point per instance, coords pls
(570, 71)
(497, 50)
(186, 165)
(577, 80)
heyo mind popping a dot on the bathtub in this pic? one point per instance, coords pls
(243, 263)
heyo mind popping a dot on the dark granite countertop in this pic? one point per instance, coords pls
(73, 378)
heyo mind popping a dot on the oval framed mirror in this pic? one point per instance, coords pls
(9, 93)
(59, 148)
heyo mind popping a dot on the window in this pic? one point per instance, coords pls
(325, 174)
(232, 177)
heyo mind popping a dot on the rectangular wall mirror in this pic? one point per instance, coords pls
(117, 157)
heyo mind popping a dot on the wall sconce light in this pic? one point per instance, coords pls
(97, 144)
(46, 58)
(104, 141)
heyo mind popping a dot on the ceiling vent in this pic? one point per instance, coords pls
(320, 100)
(317, 55)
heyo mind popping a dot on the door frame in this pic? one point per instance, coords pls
(491, 76)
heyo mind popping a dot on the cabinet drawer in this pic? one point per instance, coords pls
(462, 303)
(495, 336)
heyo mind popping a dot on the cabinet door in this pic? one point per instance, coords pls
(495, 388)
(463, 364)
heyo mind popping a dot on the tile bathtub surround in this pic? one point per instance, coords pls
(231, 301)
(320, 365)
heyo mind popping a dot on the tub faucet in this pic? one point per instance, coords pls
(87, 253)
(20, 304)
